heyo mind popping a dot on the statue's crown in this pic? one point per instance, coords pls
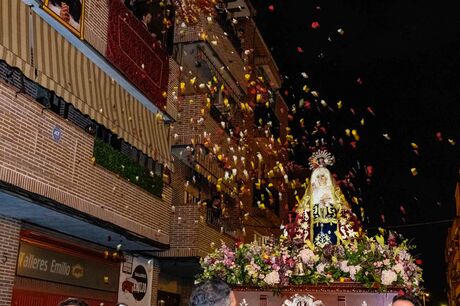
(321, 158)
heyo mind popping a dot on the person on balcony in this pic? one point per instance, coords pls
(146, 20)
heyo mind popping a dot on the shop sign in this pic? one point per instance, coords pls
(41, 263)
(135, 282)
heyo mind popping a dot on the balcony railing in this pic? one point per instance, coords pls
(136, 53)
(219, 117)
(226, 25)
(264, 115)
(215, 219)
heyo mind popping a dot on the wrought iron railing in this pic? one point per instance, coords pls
(215, 219)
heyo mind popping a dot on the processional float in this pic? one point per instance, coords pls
(322, 258)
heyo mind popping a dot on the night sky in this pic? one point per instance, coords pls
(397, 66)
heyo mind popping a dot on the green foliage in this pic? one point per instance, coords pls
(123, 165)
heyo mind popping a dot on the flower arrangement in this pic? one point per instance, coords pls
(284, 262)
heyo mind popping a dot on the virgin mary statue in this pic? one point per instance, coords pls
(325, 215)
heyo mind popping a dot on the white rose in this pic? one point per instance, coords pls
(320, 267)
(344, 266)
(398, 268)
(272, 278)
(308, 257)
(388, 277)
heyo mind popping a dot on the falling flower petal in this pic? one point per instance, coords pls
(402, 209)
(370, 110)
(369, 170)
(439, 136)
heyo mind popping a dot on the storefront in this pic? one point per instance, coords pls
(51, 269)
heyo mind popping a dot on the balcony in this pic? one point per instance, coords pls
(203, 171)
(265, 197)
(265, 117)
(261, 56)
(224, 19)
(203, 65)
(218, 116)
(128, 44)
(221, 49)
(216, 220)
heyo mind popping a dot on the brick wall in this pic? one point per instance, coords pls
(64, 171)
(184, 231)
(173, 87)
(190, 107)
(9, 244)
(96, 23)
(189, 131)
(190, 235)
(210, 238)
(184, 219)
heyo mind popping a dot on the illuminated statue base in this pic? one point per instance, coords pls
(335, 294)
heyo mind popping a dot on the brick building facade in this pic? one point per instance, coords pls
(98, 174)
(222, 158)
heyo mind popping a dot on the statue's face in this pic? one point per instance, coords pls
(322, 179)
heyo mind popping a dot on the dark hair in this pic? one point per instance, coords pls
(214, 292)
(408, 298)
(73, 302)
